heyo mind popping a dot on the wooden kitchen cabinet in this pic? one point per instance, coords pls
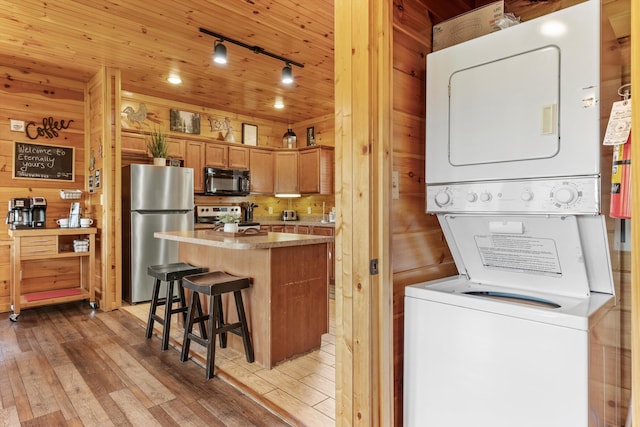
(238, 157)
(286, 172)
(316, 170)
(331, 267)
(226, 156)
(46, 270)
(215, 155)
(261, 166)
(194, 158)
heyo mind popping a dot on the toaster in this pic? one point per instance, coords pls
(289, 215)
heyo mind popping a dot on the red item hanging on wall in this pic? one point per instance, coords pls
(621, 181)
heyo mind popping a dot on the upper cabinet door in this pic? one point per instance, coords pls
(287, 172)
(194, 158)
(215, 155)
(238, 157)
(261, 162)
(316, 166)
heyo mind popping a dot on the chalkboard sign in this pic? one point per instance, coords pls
(37, 161)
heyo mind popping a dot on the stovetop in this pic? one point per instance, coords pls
(210, 214)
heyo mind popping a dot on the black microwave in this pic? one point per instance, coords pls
(226, 182)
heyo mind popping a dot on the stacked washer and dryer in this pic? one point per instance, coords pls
(526, 334)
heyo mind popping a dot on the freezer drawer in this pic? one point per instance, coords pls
(141, 250)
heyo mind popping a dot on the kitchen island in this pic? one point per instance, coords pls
(288, 303)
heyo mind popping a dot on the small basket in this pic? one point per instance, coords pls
(70, 194)
(81, 245)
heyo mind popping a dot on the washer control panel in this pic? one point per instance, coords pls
(554, 195)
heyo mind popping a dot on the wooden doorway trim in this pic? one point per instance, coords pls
(363, 105)
(635, 230)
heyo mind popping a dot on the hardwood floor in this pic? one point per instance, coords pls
(66, 365)
(301, 391)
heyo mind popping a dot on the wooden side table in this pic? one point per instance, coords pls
(37, 278)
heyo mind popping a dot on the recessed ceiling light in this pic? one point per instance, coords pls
(174, 80)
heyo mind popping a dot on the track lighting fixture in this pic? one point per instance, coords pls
(220, 52)
(287, 74)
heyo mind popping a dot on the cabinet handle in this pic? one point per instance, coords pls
(35, 251)
(40, 241)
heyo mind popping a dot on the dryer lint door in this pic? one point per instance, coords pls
(531, 253)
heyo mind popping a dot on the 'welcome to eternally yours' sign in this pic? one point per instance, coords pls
(38, 161)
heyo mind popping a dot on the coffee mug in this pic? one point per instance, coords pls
(85, 222)
(63, 222)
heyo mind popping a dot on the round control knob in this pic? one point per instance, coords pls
(565, 195)
(527, 196)
(485, 197)
(472, 197)
(443, 198)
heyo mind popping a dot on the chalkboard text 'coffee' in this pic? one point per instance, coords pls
(49, 128)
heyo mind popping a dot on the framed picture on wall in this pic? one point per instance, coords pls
(311, 136)
(249, 134)
(184, 121)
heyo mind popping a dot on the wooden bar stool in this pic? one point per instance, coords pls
(214, 284)
(170, 273)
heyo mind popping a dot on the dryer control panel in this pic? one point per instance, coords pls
(570, 195)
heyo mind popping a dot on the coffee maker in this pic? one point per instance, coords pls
(19, 215)
(38, 212)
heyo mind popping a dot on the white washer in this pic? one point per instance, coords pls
(520, 337)
(481, 363)
(525, 335)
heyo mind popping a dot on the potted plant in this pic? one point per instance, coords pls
(158, 146)
(230, 222)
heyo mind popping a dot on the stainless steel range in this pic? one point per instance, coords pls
(209, 215)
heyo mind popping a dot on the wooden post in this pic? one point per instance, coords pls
(363, 104)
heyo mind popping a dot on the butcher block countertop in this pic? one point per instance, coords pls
(268, 241)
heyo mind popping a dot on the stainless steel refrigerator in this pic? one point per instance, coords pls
(155, 198)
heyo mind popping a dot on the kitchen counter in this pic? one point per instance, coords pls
(287, 305)
(310, 221)
(271, 240)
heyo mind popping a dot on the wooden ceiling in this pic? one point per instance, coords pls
(74, 38)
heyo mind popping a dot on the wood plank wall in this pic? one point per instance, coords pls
(32, 97)
(419, 250)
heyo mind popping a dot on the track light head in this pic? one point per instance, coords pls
(219, 53)
(287, 74)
